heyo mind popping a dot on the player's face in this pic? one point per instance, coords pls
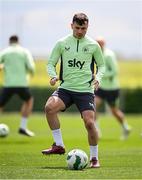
(79, 31)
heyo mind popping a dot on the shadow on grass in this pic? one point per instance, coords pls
(49, 167)
(15, 142)
(64, 168)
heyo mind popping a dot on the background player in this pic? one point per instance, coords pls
(17, 63)
(109, 89)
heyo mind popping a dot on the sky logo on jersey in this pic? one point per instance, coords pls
(76, 63)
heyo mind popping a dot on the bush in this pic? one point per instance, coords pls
(130, 102)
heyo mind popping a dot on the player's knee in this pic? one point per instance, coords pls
(48, 109)
(89, 125)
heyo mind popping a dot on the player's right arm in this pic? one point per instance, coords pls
(100, 66)
(52, 62)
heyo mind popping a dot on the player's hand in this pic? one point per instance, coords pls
(96, 84)
(53, 81)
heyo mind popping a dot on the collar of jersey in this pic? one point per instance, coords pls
(14, 44)
(82, 39)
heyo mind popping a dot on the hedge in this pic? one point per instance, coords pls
(130, 102)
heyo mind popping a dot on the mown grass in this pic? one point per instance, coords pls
(21, 158)
(130, 74)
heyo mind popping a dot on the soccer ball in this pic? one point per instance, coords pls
(77, 159)
(4, 130)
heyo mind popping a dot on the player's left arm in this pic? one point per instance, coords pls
(100, 65)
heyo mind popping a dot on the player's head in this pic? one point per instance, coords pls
(79, 25)
(101, 42)
(13, 39)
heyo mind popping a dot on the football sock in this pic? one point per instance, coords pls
(57, 135)
(94, 152)
(125, 125)
(23, 124)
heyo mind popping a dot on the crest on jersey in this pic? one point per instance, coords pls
(67, 48)
(85, 49)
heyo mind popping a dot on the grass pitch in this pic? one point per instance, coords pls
(21, 158)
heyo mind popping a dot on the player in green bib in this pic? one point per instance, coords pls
(109, 88)
(17, 64)
(77, 54)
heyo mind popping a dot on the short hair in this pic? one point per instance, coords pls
(13, 38)
(80, 18)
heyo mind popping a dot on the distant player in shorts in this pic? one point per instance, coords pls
(109, 89)
(17, 62)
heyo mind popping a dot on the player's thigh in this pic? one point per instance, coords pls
(113, 99)
(99, 97)
(55, 104)
(5, 95)
(84, 101)
(98, 101)
(24, 93)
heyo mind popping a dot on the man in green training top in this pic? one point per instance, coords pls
(17, 63)
(109, 89)
(78, 54)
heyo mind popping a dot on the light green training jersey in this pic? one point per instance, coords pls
(78, 57)
(110, 79)
(18, 63)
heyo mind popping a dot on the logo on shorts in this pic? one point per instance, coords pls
(91, 105)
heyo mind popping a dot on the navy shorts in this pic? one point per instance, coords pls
(110, 96)
(83, 100)
(7, 92)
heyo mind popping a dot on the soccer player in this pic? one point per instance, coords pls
(109, 89)
(77, 54)
(17, 63)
